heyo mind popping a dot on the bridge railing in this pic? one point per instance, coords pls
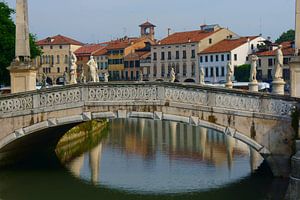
(145, 93)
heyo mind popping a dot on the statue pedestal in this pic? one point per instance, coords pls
(278, 86)
(253, 86)
(23, 77)
(229, 85)
(295, 76)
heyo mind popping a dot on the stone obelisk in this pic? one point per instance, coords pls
(22, 73)
(295, 61)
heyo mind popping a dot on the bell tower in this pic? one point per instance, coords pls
(148, 30)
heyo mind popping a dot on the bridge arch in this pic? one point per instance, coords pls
(67, 122)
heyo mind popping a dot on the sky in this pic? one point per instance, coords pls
(92, 21)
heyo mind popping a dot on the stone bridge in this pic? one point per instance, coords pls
(262, 121)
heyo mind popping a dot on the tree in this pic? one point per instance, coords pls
(242, 73)
(286, 36)
(7, 42)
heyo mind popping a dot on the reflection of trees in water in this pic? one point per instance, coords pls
(81, 139)
(178, 141)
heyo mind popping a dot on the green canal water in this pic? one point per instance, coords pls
(143, 159)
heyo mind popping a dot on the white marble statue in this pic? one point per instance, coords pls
(229, 72)
(82, 77)
(202, 79)
(279, 65)
(106, 75)
(173, 75)
(253, 70)
(141, 76)
(93, 69)
(73, 69)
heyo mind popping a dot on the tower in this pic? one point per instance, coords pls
(22, 73)
(148, 30)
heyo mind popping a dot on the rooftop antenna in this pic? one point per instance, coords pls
(124, 31)
(169, 31)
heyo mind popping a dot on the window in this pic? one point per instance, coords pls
(169, 55)
(222, 71)
(169, 70)
(210, 41)
(131, 64)
(184, 54)
(193, 53)
(66, 59)
(201, 59)
(58, 59)
(211, 58)
(52, 59)
(217, 71)
(58, 70)
(42, 47)
(177, 68)
(259, 62)
(184, 69)
(206, 58)
(217, 58)
(286, 61)
(126, 64)
(162, 70)
(131, 75)
(60, 46)
(270, 62)
(154, 70)
(51, 47)
(235, 57)
(162, 55)
(177, 55)
(154, 56)
(222, 57)
(228, 57)
(137, 63)
(193, 69)
(211, 72)
(252, 46)
(206, 72)
(126, 75)
(269, 74)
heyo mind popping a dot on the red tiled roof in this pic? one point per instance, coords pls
(137, 55)
(89, 49)
(147, 23)
(186, 37)
(100, 52)
(227, 45)
(122, 43)
(287, 50)
(59, 40)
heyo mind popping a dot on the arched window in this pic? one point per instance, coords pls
(66, 59)
(177, 68)
(169, 69)
(193, 69)
(154, 70)
(163, 70)
(58, 59)
(184, 69)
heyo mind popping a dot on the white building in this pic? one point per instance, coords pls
(179, 51)
(214, 59)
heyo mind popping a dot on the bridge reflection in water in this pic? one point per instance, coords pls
(156, 156)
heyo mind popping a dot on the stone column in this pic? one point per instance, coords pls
(295, 62)
(22, 72)
(278, 86)
(253, 86)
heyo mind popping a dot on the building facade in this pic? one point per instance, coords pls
(214, 60)
(179, 51)
(267, 62)
(55, 59)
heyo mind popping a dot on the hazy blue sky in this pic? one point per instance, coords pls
(101, 20)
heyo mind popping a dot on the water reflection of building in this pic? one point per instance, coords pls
(177, 141)
(145, 138)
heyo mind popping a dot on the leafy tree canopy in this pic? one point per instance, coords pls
(286, 36)
(242, 73)
(7, 42)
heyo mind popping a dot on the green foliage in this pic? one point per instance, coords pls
(7, 42)
(286, 36)
(242, 73)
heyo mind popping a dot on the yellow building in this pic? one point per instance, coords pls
(56, 57)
